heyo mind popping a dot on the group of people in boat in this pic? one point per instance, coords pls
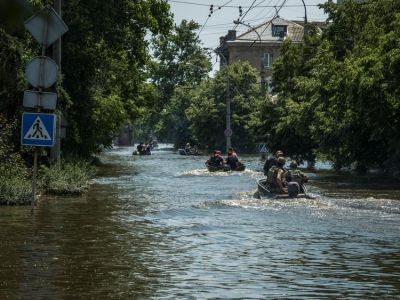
(284, 181)
(217, 161)
(143, 149)
(191, 150)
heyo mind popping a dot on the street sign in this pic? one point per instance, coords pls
(40, 99)
(46, 26)
(41, 72)
(263, 148)
(228, 132)
(38, 129)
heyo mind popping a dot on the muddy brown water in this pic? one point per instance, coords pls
(162, 227)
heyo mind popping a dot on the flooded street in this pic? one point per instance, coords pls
(163, 227)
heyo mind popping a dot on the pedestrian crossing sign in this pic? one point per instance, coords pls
(263, 148)
(38, 129)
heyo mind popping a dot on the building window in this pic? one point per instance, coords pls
(279, 30)
(267, 60)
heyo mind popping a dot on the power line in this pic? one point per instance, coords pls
(242, 17)
(276, 14)
(237, 6)
(211, 13)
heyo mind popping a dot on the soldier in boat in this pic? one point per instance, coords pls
(271, 161)
(276, 178)
(295, 180)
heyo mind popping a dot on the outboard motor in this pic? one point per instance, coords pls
(293, 189)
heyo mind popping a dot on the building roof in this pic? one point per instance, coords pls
(263, 32)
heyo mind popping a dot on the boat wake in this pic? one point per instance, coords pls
(249, 200)
(206, 173)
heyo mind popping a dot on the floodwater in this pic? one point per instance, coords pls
(162, 227)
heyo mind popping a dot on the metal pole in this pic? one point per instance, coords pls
(35, 149)
(228, 111)
(228, 99)
(305, 12)
(55, 151)
(34, 175)
(228, 103)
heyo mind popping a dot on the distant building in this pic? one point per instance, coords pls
(261, 45)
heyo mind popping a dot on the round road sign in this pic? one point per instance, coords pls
(41, 72)
(228, 132)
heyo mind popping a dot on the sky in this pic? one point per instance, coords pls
(221, 20)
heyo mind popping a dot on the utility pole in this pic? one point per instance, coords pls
(55, 151)
(228, 129)
(305, 13)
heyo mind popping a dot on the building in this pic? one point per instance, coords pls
(261, 45)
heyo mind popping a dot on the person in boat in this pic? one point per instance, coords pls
(216, 159)
(147, 149)
(232, 160)
(272, 161)
(276, 178)
(139, 148)
(295, 179)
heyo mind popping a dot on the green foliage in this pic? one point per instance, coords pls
(14, 184)
(180, 61)
(105, 52)
(341, 93)
(71, 177)
(207, 110)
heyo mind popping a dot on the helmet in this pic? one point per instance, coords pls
(187, 144)
(293, 164)
(278, 153)
(280, 161)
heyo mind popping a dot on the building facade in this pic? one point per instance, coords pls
(261, 45)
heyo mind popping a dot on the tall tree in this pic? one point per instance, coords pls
(179, 60)
(207, 110)
(104, 54)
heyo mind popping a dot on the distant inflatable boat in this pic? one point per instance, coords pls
(226, 168)
(140, 153)
(264, 191)
(185, 152)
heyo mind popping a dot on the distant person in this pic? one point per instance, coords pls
(271, 161)
(147, 149)
(215, 159)
(232, 160)
(139, 148)
(276, 178)
(195, 149)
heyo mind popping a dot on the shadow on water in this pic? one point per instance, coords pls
(79, 247)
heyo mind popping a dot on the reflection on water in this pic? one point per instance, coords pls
(161, 226)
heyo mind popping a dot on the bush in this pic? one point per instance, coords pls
(15, 191)
(71, 177)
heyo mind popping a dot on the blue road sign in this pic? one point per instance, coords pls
(38, 129)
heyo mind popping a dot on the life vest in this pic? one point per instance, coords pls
(295, 176)
(272, 174)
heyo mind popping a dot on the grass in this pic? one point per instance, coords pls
(71, 177)
(15, 190)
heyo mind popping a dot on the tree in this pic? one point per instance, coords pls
(179, 61)
(207, 110)
(104, 55)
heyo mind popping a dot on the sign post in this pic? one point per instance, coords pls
(38, 128)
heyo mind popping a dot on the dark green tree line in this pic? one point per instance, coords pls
(338, 91)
